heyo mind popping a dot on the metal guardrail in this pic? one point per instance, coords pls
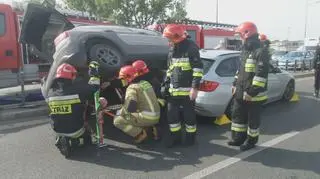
(294, 66)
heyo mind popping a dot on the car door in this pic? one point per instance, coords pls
(40, 26)
(274, 83)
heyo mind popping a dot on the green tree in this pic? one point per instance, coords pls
(138, 13)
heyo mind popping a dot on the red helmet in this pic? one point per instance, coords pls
(141, 67)
(127, 73)
(263, 37)
(66, 71)
(174, 33)
(246, 30)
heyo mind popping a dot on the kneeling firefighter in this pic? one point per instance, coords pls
(249, 86)
(181, 85)
(67, 100)
(140, 110)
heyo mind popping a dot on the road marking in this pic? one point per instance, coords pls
(232, 160)
(23, 124)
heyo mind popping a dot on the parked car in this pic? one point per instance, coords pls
(113, 46)
(296, 60)
(276, 55)
(220, 67)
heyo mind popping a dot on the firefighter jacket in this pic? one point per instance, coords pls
(145, 98)
(252, 76)
(316, 61)
(67, 106)
(185, 69)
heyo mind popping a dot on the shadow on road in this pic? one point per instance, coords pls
(288, 159)
(280, 118)
(154, 156)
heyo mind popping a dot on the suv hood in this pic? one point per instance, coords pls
(40, 27)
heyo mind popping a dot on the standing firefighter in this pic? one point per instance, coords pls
(141, 110)
(183, 80)
(316, 66)
(249, 88)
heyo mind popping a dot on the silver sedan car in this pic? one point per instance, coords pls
(220, 67)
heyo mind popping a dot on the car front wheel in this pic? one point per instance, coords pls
(289, 91)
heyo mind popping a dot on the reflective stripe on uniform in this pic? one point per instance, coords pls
(260, 97)
(191, 128)
(238, 127)
(63, 104)
(250, 65)
(94, 81)
(76, 134)
(150, 115)
(179, 91)
(175, 127)
(162, 102)
(197, 72)
(176, 60)
(253, 132)
(60, 100)
(183, 63)
(259, 81)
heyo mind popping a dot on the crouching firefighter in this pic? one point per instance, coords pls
(250, 86)
(67, 101)
(141, 110)
(183, 78)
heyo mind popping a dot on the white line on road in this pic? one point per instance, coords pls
(225, 163)
(23, 124)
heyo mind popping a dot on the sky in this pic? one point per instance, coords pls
(278, 19)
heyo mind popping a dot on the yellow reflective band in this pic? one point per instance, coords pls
(191, 129)
(258, 83)
(124, 82)
(238, 129)
(145, 85)
(149, 117)
(168, 73)
(180, 93)
(64, 102)
(197, 74)
(162, 102)
(259, 98)
(175, 129)
(61, 109)
(253, 132)
(183, 65)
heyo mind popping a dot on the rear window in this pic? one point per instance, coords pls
(207, 63)
(2, 24)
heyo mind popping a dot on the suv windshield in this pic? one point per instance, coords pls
(207, 63)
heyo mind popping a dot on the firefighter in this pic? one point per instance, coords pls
(316, 66)
(264, 40)
(67, 101)
(249, 88)
(140, 110)
(181, 85)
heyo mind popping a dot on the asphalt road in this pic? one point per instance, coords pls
(289, 149)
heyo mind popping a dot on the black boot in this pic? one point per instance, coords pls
(237, 138)
(249, 143)
(172, 139)
(190, 138)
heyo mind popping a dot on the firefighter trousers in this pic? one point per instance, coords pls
(316, 80)
(245, 121)
(133, 124)
(189, 116)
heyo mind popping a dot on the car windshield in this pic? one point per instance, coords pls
(207, 63)
(295, 54)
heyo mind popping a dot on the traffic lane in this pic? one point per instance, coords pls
(302, 116)
(123, 160)
(297, 157)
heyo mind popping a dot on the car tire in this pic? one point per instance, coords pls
(289, 91)
(107, 54)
